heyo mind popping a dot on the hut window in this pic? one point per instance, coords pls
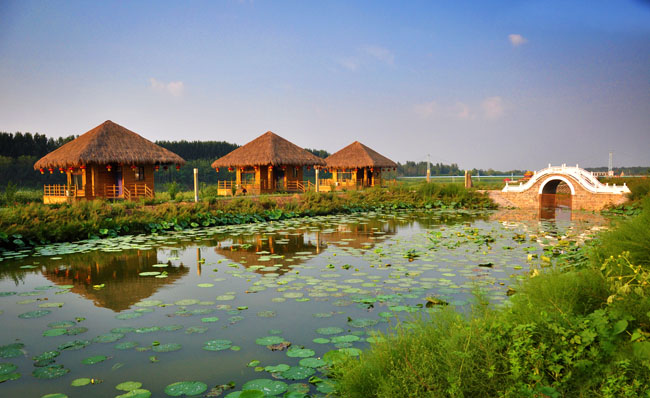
(77, 180)
(139, 174)
(295, 172)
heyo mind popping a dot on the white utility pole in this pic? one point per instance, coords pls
(428, 168)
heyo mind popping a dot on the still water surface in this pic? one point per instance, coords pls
(196, 305)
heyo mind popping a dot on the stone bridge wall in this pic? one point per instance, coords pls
(582, 200)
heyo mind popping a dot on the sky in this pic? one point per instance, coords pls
(484, 84)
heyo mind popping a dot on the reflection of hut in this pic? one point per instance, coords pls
(108, 161)
(269, 163)
(244, 250)
(355, 166)
(119, 274)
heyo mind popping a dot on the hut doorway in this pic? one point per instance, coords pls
(279, 180)
(118, 180)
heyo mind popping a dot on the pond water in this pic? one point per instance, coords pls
(260, 304)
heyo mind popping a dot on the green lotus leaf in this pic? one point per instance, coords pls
(298, 373)
(296, 352)
(50, 372)
(94, 359)
(129, 385)
(34, 314)
(268, 387)
(217, 345)
(80, 382)
(269, 340)
(185, 388)
(167, 347)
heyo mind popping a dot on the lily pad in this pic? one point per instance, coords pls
(149, 273)
(329, 330)
(268, 387)
(129, 385)
(185, 388)
(167, 347)
(108, 337)
(80, 382)
(34, 314)
(295, 352)
(54, 332)
(11, 350)
(73, 345)
(298, 373)
(126, 345)
(137, 393)
(94, 359)
(217, 345)
(50, 372)
(362, 322)
(277, 368)
(312, 362)
(269, 340)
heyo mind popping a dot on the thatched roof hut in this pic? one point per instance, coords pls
(269, 149)
(108, 143)
(357, 156)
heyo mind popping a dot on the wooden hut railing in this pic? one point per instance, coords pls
(138, 191)
(111, 191)
(299, 186)
(62, 190)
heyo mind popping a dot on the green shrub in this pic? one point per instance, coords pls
(172, 190)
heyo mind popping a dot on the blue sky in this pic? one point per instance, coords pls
(486, 84)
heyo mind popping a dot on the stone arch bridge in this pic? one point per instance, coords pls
(571, 187)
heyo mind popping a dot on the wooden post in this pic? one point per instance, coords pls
(335, 177)
(238, 177)
(317, 183)
(365, 176)
(270, 182)
(196, 185)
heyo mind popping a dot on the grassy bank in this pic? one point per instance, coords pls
(35, 223)
(579, 331)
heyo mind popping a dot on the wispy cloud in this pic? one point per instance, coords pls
(349, 63)
(173, 88)
(426, 109)
(492, 108)
(380, 53)
(517, 40)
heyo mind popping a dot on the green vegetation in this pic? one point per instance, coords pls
(35, 223)
(579, 329)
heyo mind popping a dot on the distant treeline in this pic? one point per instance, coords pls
(19, 152)
(27, 144)
(193, 150)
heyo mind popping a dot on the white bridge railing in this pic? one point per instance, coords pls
(585, 178)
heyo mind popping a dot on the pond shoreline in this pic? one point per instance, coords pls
(24, 226)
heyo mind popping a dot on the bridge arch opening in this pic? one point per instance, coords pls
(555, 196)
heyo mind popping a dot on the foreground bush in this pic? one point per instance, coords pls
(581, 332)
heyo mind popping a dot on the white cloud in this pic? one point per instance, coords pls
(349, 63)
(461, 111)
(381, 53)
(517, 40)
(173, 88)
(492, 108)
(426, 109)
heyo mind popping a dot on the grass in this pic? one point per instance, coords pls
(34, 223)
(579, 331)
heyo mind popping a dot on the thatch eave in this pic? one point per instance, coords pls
(357, 155)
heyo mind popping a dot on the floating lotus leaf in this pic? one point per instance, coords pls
(123, 330)
(149, 273)
(171, 328)
(298, 373)
(148, 303)
(348, 338)
(34, 314)
(362, 322)
(73, 345)
(209, 319)
(269, 340)
(137, 393)
(128, 315)
(80, 382)
(268, 387)
(217, 345)
(312, 362)
(50, 372)
(186, 302)
(108, 337)
(266, 314)
(149, 329)
(321, 340)
(7, 368)
(185, 388)
(54, 332)
(11, 350)
(329, 330)
(94, 359)
(126, 345)
(61, 324)
(51, 305)
(295, 352)
(128, 385)
(251, 394)
(160, 265)
(226, 297)
(55, 395)
(167, 347)
(205, 285)
(326, 387)
(196, 329)
(277, 368)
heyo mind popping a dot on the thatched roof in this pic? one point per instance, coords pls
(108, 143)
(357, 155)
(269, 149)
